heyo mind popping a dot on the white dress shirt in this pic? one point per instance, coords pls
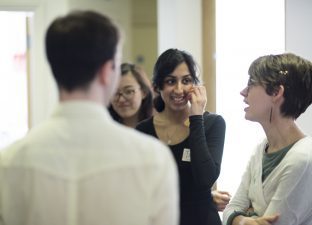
(81, 168)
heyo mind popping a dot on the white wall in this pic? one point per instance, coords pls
(298, 41)
(180, 26)
(243, 34)
(118, 10)
(144, 31)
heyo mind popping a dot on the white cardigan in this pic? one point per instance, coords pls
(287, 189)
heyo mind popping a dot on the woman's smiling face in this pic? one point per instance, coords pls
(128, 98)
(176, 87)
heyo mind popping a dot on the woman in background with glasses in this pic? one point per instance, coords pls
(133, 101)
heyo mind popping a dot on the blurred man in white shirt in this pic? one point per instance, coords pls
(80, 167)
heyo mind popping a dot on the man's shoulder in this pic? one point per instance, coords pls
(142, 140)
(9, 152)
(140, 148)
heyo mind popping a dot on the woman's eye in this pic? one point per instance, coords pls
(170, 82)
(129, 92)
(187, 81)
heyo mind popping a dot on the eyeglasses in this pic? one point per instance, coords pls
(126, 93)
(252, 82)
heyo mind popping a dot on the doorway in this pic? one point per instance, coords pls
(14, 75)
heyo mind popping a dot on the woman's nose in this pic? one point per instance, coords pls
(178, 87)
(244, 92)
(121, 98)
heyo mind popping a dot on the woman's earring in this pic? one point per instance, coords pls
(271, 114)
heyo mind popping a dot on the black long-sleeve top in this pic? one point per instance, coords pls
(205, 141)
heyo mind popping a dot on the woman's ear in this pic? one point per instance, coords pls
(278, 95)
(144, 94)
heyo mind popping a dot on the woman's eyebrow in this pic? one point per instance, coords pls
(174, 76)
(127, 86)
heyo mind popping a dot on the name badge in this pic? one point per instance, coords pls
(186, 157)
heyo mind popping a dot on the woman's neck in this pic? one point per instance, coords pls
(282, 133)
(170, 127)
(176, 117)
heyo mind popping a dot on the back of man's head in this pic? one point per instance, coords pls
(77, 45)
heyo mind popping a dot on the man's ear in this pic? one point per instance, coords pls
(106, 71)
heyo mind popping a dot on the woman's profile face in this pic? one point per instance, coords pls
(128, 98)
(258, 103)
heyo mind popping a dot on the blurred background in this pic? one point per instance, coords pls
(224, 36)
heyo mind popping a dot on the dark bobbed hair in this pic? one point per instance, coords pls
(77, 45)
(293, 72)
(165, 65)
(146, 109)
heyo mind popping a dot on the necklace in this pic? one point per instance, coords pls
(171, 133)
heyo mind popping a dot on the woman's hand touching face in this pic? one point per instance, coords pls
(198, 99)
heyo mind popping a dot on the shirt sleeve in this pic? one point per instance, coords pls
(240, 201)
(206, 142)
